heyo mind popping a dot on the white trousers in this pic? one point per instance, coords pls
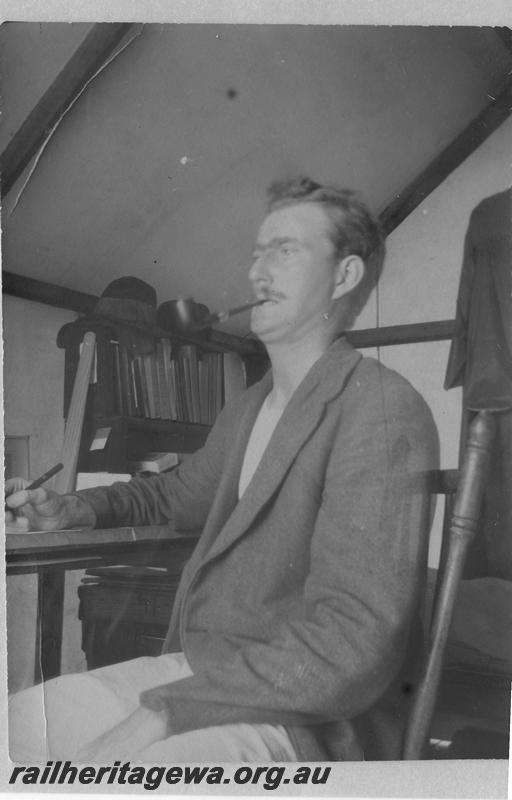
(55, 719)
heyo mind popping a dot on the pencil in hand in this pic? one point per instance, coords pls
(38, 482)
(45, 476)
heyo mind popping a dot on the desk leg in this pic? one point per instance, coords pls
(50, 606)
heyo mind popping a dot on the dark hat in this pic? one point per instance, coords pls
(128, 298)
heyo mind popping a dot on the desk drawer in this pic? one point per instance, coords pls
(135, 604)
(125, 613)
(104, 642)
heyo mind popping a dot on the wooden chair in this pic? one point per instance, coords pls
(468, 486)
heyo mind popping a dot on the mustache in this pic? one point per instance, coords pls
(267, 294)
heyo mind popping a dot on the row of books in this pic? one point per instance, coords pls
(178, 383)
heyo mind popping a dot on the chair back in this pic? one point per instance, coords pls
(467, 486)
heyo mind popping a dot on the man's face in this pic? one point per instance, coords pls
(294, 270)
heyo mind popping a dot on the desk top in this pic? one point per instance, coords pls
(27, 552)
(82, 536)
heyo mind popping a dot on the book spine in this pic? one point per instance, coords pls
(177, 390)
(126, 380)
(189, 352)
(119, 407)
(148, 374)
(137, 384)
(156, 384)
(167, 354)
(184, 376)
(203, 390)
(208, 357)
(163, 388)
(141, 381)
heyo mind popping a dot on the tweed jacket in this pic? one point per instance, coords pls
(296, 605)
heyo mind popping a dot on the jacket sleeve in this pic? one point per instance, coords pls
(183, 496)
(367, 550)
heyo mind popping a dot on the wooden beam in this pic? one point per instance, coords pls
(85, 61)
(82, 303)
(49, 293)
(403, 334)
(448, 160)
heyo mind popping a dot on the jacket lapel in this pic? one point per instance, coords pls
(301, 417)
(226, 498)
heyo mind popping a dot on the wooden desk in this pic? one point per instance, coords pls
(50, 554)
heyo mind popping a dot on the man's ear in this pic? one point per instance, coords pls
(349, 272)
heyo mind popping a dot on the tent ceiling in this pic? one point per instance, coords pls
(159, 169)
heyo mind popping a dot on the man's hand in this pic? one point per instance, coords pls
(43, 510)
(127, 739)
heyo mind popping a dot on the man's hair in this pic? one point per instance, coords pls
(354, 230)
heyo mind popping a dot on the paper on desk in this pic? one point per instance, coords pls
(89, 480)
(13, 529)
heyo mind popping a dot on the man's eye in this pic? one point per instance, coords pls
(287, 251)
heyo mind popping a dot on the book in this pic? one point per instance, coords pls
(209, 359)
(126, 381)
(203, 390)
(116, 378)
(155, 384)
(215, 384)
(137, 388)
(177, 390)
(171, 391)
(140, 380)
(185, 384)
(147, 372)
(154, 462)
(188, 353)
(163, 389)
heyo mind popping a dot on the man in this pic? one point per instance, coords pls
(296, 612)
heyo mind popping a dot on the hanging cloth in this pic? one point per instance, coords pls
(480, 361)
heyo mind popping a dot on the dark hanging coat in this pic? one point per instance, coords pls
(481, 361)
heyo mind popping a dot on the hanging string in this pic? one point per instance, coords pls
(66, 110)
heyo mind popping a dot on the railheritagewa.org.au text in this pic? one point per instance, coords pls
(65, 773)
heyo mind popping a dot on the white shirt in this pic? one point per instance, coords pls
(261, 433)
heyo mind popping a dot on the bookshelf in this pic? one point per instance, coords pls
(152, 390)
